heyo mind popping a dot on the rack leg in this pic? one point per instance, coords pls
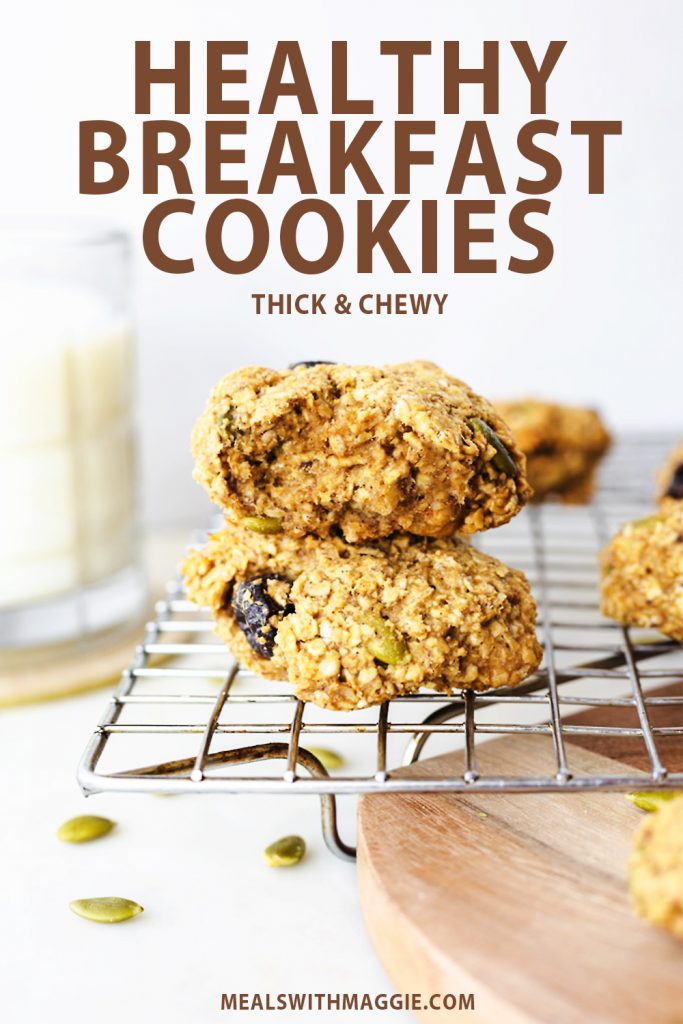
(333, 841)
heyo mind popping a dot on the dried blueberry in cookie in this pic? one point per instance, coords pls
(670, 478)
(257, 604)
(313, 362)
(675, 489)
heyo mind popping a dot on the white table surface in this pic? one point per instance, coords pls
(216, 918)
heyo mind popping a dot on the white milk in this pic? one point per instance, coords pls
(67, 476)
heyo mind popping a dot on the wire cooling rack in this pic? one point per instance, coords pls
(187, 718)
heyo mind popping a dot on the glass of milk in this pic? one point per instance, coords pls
(69, 559)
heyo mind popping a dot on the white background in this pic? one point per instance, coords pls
(600, 325)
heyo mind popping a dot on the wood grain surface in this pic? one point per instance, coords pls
(520, 899)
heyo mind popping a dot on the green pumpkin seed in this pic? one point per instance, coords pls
(225, 422)
(106, 909)
(227, 431)
(285, 852)
(646, 523)
(84, 828)
(652, 801)
(263, 524)
(502, 460)
(388, 644)
(328, 758)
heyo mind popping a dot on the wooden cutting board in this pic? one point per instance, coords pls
(520, 900)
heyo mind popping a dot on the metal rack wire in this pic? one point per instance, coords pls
(182, 686)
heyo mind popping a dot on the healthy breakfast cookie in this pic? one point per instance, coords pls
(656, 868)
(351, 626)
(671, 478)
(563, 445)
(642, 573)
(366, 450)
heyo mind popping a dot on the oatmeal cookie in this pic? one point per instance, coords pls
(366, 450)
(642, 573)
(355, 625)
(671, 478)
(563, 445)
(656, 868)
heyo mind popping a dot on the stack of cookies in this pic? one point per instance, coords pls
(341, 566)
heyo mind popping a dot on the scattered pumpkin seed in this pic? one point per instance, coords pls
(388, 645)
(106, 909)
(652, 801)
(263, 524)
(285, 852)
(84, 828)
(328, 758)
(502, 460)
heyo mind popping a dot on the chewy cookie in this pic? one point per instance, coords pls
(563, 445)
(355, 625)
(656, 868)
(642, 573)
(366, 450)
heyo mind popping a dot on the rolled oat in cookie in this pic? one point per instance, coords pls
(355, 625)
(366, 450)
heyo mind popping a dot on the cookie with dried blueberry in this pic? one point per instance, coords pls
(642, 573)
(563, 445)
(366, 451)
(354, 625)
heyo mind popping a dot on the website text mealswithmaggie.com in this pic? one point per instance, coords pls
(346, 1001)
